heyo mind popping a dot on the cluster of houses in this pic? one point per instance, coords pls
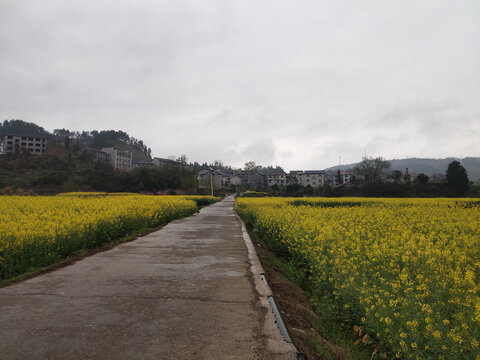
(275, 178)
(271, 178)
(220, 179)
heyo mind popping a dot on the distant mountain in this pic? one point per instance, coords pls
(429, 166)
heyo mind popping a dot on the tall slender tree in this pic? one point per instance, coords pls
(457, 178)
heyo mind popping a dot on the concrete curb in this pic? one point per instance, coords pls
(276, 343)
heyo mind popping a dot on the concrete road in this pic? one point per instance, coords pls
(183, 292)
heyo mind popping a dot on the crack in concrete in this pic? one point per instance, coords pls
(134, 297)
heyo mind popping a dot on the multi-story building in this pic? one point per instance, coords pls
(314, 178)
(98, 155)
(276, 177)
(15, 144)
(120, 159)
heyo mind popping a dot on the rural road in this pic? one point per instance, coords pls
(184, 292)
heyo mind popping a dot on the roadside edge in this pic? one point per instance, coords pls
(276, 343)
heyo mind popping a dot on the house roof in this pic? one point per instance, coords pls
(95, 150)
(165, 161)
(314, 172)
(273, 171)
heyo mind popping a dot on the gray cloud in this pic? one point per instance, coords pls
(294, 84)
(263, 151)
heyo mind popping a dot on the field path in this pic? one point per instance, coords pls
(183, 292)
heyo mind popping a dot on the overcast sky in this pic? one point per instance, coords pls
(290, 83)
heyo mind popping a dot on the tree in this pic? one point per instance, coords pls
(275, 187)
(21, 127)
(457, 178)
(182, 160)
(371, 168)
(251, 165)
(218, 164)
(422, 178)
(292, 188)
(407, 177)
(397, 175)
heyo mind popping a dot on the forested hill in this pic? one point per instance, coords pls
(93, 139)
(429, 166)
(20, 127)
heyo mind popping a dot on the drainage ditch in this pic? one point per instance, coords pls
(279, 321)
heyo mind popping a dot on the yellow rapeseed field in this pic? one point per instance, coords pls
(407, 271)
(40, 230)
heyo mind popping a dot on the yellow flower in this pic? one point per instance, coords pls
(405, 265)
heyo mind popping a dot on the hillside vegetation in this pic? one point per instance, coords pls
(76, 171)
(428, 166)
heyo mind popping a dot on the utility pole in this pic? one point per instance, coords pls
(211, 180)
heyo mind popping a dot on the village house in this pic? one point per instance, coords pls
(276, 177)
(314, 178)
(164, 162)
(226, 178)
(257, 180)
(206, 177)
(346, 177)
(143, 163)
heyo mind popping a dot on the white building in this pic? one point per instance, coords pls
(15, 144)
(346, 177)
(120, 159)
(314, 178)
(278, 178)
